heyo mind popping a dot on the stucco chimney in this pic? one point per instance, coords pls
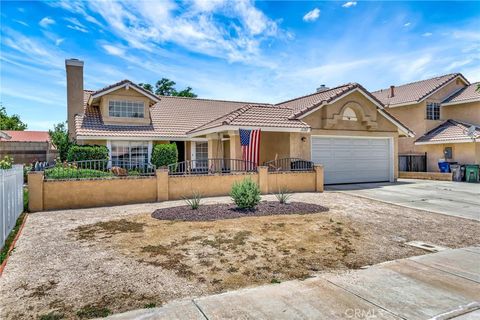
(74, 69)
(392, 91)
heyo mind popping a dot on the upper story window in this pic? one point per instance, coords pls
(433, 111)
(126, 109)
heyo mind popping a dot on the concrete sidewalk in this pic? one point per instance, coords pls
(443, 285)
(458, 199)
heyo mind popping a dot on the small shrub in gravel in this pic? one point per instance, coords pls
(51, 316)
(194, 201)
(90, 312)
(245, 194)
(283, 195)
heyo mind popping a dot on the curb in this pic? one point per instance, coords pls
(12, 245)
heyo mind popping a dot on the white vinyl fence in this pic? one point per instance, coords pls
(11, 199)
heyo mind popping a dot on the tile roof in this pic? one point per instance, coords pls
(467, 94)
(27, 136)
(415, 91)
(171, 117)
(124, 82)
(450, 131)
(256, 116)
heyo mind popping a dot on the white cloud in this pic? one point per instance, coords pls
(45, 22)
(59, 41)
(113, 50)
(23, 23)
(407, 24)
(77, 28)
(312, 15)
(75, 22)
(349, 4)
(427, 34)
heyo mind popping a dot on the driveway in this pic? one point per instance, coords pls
(447, 197)
(443, 285)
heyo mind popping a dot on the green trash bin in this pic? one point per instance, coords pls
(471, 173)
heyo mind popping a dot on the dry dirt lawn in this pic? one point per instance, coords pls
(120, 258)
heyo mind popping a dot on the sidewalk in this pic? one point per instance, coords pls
(443, 285)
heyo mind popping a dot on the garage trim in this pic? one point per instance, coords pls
(390, 141)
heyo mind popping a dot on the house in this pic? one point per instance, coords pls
(346, 129)
(26, 146)
(444, 112)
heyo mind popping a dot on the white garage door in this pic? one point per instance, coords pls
(352, 160)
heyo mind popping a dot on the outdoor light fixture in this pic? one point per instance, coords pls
(304, 139)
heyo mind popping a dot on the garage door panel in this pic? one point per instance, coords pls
(351, 160)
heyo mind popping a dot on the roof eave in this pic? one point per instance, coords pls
(419, 143)
(236, 127)
(128, 85)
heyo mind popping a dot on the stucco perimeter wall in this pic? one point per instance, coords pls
(426, 175)
(463, 153)
(72, 194)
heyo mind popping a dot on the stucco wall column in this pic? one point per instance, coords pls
(263, 179)
(162, 184)
(319, 178)
(35, 191)
(235, 147)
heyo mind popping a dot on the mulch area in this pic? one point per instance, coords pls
(230, 211)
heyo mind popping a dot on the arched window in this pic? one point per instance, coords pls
(349, 114)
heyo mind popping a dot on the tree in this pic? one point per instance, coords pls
(12, 122)
(59, 138)
(166, 87)
(478, 87)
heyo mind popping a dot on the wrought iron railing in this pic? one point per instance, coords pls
(289, 164)
(209, 166)
(92, 169)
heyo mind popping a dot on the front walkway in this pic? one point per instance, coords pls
(459, 199)
(444, 285)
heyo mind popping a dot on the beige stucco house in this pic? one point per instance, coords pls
(444, 113)
(346, 128)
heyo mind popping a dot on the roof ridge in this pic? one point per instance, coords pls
(452, 75)
(236, 113)
(207, 99)
(467, 124)
(311, 94)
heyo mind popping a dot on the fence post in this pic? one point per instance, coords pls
(35, 191)
(263, 179)
(162, 184)
(318, 178)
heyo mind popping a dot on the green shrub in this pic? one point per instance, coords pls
(194, 201)
(74, 173)
(283, 196)
(90, 312)
(6, 163)
(79, 153)
(245, 194)
(164, 154)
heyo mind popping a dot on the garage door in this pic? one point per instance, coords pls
(352, 160)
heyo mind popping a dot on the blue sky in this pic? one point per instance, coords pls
(242, 50)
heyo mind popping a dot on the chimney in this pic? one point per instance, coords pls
(74, 69)
(392, 91)
(322, 88)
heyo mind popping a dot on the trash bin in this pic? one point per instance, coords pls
(471, 172)
(444, 167)
(457, 172)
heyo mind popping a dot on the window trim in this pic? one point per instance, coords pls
(433, 110)
(126, 101)
(111, 142)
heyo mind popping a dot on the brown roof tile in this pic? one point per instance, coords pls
(467, 94)
(415, 91)
(449, 131)
(27, 136)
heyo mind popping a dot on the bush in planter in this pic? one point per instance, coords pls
(86, 152)
(245, 194)
(164, 154)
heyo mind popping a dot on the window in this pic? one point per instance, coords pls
(125, 109)
(129, 152)
(200, 154)
(433, 111)
(349, 114)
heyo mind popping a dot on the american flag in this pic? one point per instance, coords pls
(250, 142)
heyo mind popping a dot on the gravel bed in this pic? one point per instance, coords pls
(230, 211)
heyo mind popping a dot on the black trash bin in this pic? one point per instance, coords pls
(458, 172)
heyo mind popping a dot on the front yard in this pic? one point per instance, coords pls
(81, 263)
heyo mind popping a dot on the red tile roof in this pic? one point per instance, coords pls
(467, 94)
(27, 136)
(450, 131)
(415, 91)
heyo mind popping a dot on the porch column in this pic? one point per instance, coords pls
(235, 147)
(215, 147)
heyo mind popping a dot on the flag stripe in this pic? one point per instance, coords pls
(250, 142)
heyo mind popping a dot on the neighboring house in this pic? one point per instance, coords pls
(444, 113)
(346, 128)
(26, 146)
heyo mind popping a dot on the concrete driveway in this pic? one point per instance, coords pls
(452, 198)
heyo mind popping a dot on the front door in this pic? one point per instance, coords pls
(199, 154)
